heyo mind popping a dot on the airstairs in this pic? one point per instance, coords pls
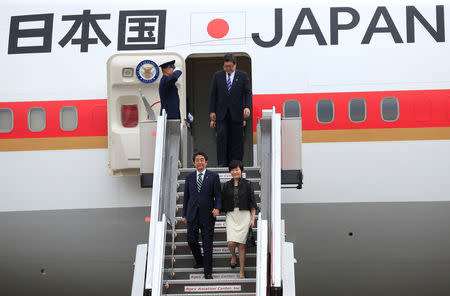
(181, 278)
(164, 266)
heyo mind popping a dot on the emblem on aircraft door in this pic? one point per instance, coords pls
(147, 71)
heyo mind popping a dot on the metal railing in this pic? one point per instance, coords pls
(261, 257)
(139, 270)
(163, 207)
(288, 268)
(275, 195)
(158, 268)
(269, 239)
(152, 257)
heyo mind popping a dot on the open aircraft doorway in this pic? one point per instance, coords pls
(200, 69)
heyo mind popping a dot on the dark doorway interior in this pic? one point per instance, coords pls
(199, 73)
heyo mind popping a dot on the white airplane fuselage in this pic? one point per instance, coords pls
(373, 215)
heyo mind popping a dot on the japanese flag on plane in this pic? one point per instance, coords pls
(223, 28)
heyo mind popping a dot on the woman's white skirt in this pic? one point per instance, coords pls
(237, 225)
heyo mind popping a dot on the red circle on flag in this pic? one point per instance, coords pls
(218, 28)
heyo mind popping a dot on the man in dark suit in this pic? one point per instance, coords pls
(230, 103)
(201, 204)
(168, 91)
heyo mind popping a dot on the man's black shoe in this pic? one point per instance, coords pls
(198, 265)
(208, 276)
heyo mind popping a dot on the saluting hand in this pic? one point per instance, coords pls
(246, 112)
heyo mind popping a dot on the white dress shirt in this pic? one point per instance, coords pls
(203, 176)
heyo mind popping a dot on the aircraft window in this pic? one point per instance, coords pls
(68, 118)
(129, 115)
(6, 120)
(389, 109)
(36, 119)
(357, 110)
(291, 108)
(325, 111)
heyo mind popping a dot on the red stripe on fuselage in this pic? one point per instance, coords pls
(92, 119)
(417, 108)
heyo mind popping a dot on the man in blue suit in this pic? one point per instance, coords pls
(168, 92)
(230, 103)
(201, 204)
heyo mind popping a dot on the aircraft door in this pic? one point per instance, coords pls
(200, 69)
(129, 77)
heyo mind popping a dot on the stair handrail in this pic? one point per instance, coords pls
(269, 150)
(170, 173)
(275, 190)
(288, 268)
(261, 257)
(152, 255)
(158, 267)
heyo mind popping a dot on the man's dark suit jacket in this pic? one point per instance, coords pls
(239, 97)
(206, 200)
(168, 95)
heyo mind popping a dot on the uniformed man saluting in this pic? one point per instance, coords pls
(168, 92)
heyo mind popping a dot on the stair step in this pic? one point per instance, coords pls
(250, 272)
(252, 180)
(180, 205)
(209, 294)
(185, 249)
(180, 196)
(221, 217)
(219, 230)
(189, 256)
(218, 224)
(211, 281)
(212, 286)
(220, 234)
(215, 244)
(255, 183)
(218, 218)
(217, 169)
(219, 247)
(250, 172)
(219, 260)
(217, 269)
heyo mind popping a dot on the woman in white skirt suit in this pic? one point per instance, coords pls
(238, 201)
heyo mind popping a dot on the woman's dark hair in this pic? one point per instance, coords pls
(199, 153)
(234, 164)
